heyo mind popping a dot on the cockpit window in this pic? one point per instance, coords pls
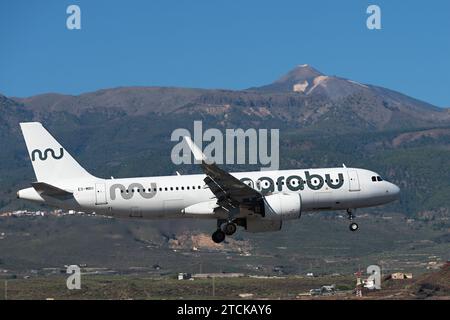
(379, 178)
(374, 178)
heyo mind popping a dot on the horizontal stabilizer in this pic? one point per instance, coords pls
(49, 190)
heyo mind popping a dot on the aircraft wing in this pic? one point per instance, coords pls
(231, 193)
(49, 190)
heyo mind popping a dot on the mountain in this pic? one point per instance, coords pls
(299, 79)
(307, 81)
(11, 113)
(323, 120)
(303, 97)
(377, 107)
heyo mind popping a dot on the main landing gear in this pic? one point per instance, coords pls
(353, 226)
(229, 228)
(218, 236)
(223, 230)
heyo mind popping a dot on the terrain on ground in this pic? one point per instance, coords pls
(317, 243)
(434, 285)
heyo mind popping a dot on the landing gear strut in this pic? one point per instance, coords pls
(353, 226)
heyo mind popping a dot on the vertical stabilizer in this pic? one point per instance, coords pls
(51, 162)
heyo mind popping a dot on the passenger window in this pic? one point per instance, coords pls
(160, 189)
(165, 188)
(171, 188)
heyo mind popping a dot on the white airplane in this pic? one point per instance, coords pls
(257, 201)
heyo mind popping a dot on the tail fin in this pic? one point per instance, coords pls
(51, 162)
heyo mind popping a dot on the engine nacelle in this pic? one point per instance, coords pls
(201, 208)
(284, 206)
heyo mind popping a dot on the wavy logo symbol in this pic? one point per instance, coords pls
(132, 189)
(44, 156)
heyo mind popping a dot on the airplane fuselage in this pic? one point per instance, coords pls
(164, 197)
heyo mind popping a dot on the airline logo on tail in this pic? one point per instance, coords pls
(44, 156)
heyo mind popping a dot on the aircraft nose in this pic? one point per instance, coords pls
(394, 190)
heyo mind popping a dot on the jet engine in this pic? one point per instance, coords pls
(284, 206)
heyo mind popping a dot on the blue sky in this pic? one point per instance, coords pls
(222, 44)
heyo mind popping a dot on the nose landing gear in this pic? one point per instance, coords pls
(353, 226)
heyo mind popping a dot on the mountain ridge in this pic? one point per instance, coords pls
(303, 96)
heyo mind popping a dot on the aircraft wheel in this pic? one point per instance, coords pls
(229, 228)
(218, 236)
(353, 226)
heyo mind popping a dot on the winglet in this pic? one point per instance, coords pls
(198, 154)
